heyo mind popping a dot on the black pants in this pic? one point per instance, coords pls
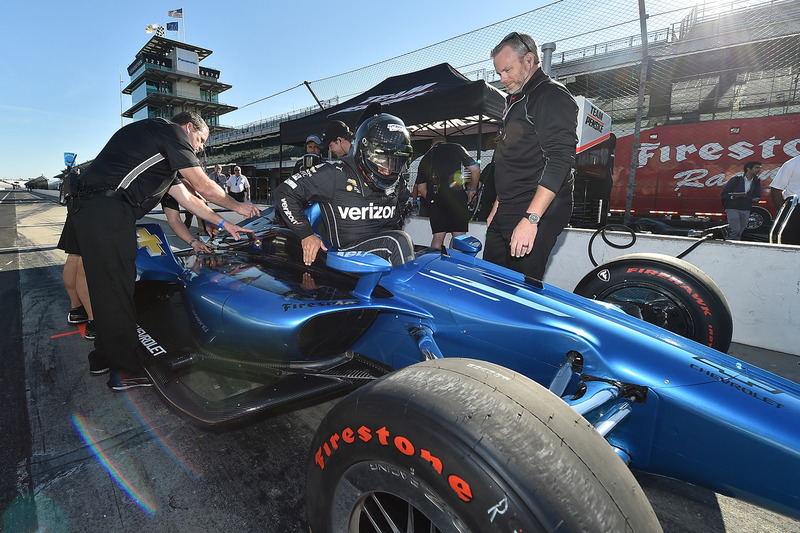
(498, 236)
(395, 246)
(238, 196)
(105, 230)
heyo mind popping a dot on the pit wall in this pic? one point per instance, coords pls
(760, 281)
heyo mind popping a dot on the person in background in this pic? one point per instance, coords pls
(784, 186)
(533, 160)
(312, 155)
(218, 177)
(440, 181)
(338, 139)
(786, 182)
(74, 279)
(738, 196)
(238, 185)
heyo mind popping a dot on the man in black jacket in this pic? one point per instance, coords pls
(358, 196)
(738, 196)
(533, 161)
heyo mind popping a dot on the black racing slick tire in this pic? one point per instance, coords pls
(460, 445)
(664, 291)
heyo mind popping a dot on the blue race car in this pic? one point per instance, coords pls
(481, 400)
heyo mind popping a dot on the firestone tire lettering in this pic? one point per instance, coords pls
(664, 291)
(461, 447)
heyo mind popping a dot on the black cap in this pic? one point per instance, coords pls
(334, 130)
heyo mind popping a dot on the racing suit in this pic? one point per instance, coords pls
(354, 216)
(536, 148)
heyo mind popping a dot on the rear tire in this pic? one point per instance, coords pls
(458, 445)
(664, 291)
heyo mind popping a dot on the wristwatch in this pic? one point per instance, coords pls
(533, 218)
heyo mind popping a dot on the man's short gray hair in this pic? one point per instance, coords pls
(521, 44)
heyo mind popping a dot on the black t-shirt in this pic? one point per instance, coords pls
(141, 159)
(440, 167)
(168, 202)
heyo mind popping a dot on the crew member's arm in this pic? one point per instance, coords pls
(209, 190)
(199, 208)
(423, 176)
(776, 195)
(182, 232)
(292, 196)
(475, 177)
(557, 115)
(492, 212)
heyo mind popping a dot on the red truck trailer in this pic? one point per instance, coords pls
(680, 169)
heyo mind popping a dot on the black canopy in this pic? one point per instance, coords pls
(425, 100)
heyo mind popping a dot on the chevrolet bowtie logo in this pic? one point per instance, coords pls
(150, 242)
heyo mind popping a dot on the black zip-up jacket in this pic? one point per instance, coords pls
(538, 142)
(351, 210)
(736, 185)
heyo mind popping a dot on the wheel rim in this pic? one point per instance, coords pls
(653, 305)
(381, 512)
(755, 221)
(377, 497)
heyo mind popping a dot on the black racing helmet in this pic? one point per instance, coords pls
(382, 143)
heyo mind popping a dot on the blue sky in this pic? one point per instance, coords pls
(60, 88)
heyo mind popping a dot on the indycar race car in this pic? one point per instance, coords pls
(478, 399)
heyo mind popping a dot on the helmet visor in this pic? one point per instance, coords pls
(391, 162)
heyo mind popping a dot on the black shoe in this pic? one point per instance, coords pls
(122, 380)
(77, 315)
(90, 333)
(98, 364)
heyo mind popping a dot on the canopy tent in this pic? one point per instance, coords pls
(430, 101)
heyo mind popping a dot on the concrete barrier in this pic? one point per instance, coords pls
(761, 281)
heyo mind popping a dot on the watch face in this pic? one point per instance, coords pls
(533, 218)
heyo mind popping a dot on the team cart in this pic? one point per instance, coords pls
(472, 398)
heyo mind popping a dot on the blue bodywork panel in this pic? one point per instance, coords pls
(692, 413)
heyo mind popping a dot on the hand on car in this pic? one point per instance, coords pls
(247, 210)
(235, 230)
(312, 245)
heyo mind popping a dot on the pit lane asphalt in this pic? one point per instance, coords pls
(75, 456)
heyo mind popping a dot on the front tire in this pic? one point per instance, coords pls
(759, 219)
(664, 291)
(458, 445)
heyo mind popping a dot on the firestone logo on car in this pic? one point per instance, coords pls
(367, 212)
(364, 435)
